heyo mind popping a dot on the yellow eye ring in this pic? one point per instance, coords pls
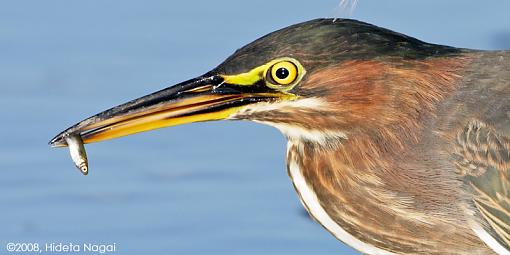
(284, 73)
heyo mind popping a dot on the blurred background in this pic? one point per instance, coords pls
(207, 188)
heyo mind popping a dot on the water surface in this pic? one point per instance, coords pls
(208, 188)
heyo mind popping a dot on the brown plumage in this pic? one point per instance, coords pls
(406, 178)
(396, 146)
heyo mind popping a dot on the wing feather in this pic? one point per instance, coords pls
(483, 158)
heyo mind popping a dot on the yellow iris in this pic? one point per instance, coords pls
(284, 73)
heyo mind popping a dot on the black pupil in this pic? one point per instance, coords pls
(282, 73)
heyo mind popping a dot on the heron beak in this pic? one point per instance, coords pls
(204, 98)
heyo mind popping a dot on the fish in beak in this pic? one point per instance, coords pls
(212, 96)
(206, 98)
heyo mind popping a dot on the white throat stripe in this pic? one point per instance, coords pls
(309, 198)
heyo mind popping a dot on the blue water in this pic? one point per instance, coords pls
(208, 188)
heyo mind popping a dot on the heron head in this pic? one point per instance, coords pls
(318, 79)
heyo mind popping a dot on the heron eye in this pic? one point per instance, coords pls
(284, 73)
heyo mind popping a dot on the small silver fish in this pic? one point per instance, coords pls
(77, 151)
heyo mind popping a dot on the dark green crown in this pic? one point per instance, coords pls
(330, 41)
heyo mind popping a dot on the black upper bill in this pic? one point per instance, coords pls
(196, 96)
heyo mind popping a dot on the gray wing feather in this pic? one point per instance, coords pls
(483, 158)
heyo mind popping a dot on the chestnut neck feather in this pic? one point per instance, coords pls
(386, 179)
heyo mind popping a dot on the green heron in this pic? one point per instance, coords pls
(395, 145)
